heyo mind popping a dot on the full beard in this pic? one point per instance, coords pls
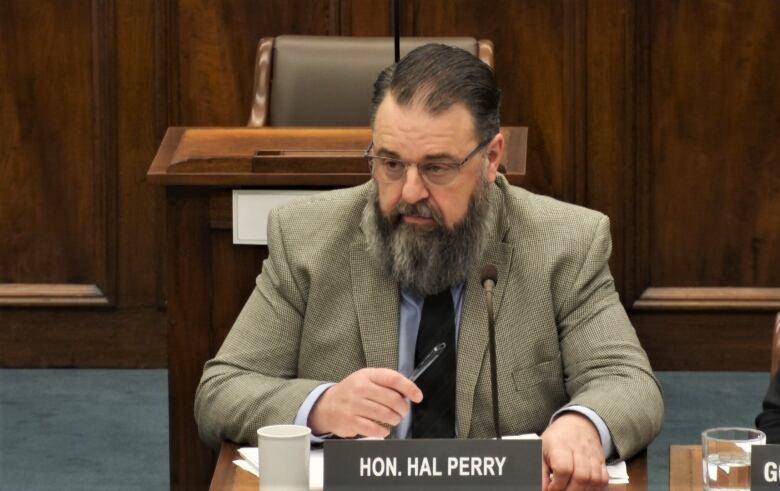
(428, 259)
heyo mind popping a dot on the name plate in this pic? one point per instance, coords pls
(765, 467)
(378, 465)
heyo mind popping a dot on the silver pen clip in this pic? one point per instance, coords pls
(427, 361)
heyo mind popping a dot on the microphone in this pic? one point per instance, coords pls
(397, 29)
(489, 277)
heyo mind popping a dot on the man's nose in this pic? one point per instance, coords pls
(414, 189)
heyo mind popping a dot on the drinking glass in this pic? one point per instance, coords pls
(726, 457)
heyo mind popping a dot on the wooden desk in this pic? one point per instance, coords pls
(229, 477)
(208, 278)
(685, 468)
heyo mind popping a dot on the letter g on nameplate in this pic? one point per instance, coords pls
(420, 465)
(765, 468)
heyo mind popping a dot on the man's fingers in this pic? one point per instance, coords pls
(368, 427)
(587, 473)
(368, 402)
(545, 475)
(561, 464)
(394, 380)
(371, 384)
(380, 413)
(604, 475)
(600, 475)
(580, 476)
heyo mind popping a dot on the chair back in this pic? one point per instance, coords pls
(329, 80)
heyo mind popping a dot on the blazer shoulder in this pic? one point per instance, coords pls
(545, 219)
(322, 223)
(326, 203)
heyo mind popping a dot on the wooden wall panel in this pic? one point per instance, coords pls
(531, 59)
(52, 221)
(660, 113)
(373, 18)
(715, 92)
(131, 337)
(606, 139)
(703, 341)
(140, 128)
(79, 226)
(216, 50)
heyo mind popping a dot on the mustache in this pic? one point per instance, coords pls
(419, 209)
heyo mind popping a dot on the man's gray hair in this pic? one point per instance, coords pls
(438, 76)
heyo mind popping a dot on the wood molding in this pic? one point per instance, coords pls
(334, 17)
(639, 188)
(708, 298)
(575, 91)
(51, 295)
(166, 101)
(105, 151)
(631, 156)
(167, 66)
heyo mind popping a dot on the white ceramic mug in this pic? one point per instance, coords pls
(283, 457)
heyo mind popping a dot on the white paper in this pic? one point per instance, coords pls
(618, 473)
(251, 208)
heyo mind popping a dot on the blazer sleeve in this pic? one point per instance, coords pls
(768, 420)
(252, 381)
(605, 367)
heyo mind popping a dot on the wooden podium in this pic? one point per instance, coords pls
(208, 278)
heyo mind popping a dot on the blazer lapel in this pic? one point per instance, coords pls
(377, 308)
(473, 334)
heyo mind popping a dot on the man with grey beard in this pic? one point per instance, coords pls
(361, 283)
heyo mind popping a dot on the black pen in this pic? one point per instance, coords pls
(427, 361)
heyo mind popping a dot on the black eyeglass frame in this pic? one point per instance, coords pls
(481, 145)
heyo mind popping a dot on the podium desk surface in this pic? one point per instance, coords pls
(284, 156)
(229, 477)
(685, 468)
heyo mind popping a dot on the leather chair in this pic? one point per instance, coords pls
(776, 346)
(329, 80)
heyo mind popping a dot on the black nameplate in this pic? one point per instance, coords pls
(765, 467)
(378, 465)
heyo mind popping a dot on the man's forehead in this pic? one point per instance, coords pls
(413, 122)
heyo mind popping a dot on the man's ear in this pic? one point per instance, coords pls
(495, 154)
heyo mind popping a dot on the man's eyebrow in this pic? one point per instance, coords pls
(383, 152)
(386, 153)
(439, 156)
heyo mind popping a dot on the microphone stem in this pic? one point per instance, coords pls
(493, 369)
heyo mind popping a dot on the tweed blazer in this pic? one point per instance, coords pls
(324, 308)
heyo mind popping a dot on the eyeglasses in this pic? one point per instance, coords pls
(390, 170)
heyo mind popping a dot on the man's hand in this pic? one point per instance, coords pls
(370, 402)
(572, 453)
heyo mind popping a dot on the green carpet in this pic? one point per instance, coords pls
(84, 430)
